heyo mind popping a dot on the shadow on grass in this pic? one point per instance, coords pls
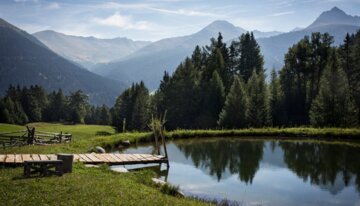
(103, 133)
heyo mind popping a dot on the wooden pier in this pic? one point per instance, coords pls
(90, 158)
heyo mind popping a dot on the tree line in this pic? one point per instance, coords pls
(33, 104)
(221, 86)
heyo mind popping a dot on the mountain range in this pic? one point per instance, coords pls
(56, 60)
(89, 51)
(25, 61)
(149, 62)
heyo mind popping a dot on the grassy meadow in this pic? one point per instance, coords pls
(100, 186)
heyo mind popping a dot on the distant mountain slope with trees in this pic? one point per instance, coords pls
(150, 62)
(26, 61)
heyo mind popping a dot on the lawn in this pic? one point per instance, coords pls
(100, 186)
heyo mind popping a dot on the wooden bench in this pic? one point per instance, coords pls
(43, 167)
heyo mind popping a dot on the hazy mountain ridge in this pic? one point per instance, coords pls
(26, 61)
(88, 51)
(150, 62)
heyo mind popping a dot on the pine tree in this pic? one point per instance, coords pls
(214, 101)
(104, 115)
(333, 105)
(250, 56)
(77, 104)
(234, 114)
(258, 106)
(276, 100)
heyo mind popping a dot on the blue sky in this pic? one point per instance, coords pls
(157, 19)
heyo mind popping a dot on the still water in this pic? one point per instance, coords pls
(257, 172)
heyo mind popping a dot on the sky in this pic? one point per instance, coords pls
(157, 19)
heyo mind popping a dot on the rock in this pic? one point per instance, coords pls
(158, 181)
(90, 165)
(119, 169)
(99, 149)
(125, 143)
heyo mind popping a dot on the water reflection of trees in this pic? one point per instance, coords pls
(321, 163)
(238, 157)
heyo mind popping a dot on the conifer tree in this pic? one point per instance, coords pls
(214, 101)
(258, 107)
(250, 56)
(276, 100)
(333, 106)
(234, 114)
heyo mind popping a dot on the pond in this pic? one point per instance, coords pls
(258, 172)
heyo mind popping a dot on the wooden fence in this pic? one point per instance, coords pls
(30, 136)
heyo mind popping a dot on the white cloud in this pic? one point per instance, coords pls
(282, 13)
(124, 22)
(23, 1)
(53, 5)
(186, 12)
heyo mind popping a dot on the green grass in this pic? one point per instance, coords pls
(85, 186)
(301, 132)
(85, 138)
(94, 186)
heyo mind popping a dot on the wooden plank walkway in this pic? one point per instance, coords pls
(90, 158)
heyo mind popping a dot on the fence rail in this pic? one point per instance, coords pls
(30, 136)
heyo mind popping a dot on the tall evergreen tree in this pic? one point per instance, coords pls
(213, 102)
(104, 115)
(131, 110)
(78, 102)
(300, 76)
(333, 106)
(234, 114)
(250, 57)
(258, 107)
(276, 100)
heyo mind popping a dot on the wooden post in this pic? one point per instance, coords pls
(124, 125)
(67, 162)
(60, 138)
(165, 150)
(31, 135)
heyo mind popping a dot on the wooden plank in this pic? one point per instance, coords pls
(35, 157)
(80, 159)
(122, 157)
(93, 158)
(101, 158)
(2, 158)
(115, 157)
(10, 158)
(84, 157)
(76, 158)
(26, 157)
(52, 156)
(130, 157)
(135, 157)
(147, 157)
(43, 157)
(108, 157)
(18, 159)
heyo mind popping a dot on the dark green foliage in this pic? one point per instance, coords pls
(350, 53)
(235, 112)
(131, 110)
(300, 77)
(58, 107)
(77, 106)
(276, 103)
(250, 58)
(333, 105)
(258, 105)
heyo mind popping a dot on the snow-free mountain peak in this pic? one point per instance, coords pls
(335, 16)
